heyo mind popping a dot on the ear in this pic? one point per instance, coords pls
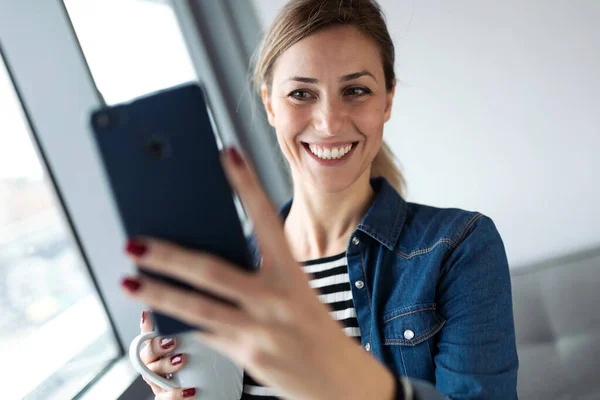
(389, 99)
(266, 99)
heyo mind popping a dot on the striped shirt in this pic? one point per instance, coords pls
(329, 276)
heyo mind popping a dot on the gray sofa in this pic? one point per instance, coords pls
(557, 321)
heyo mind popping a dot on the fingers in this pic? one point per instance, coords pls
(146, 322)
(267, 224)
(167, 364)
(153, 351)
(178, 394)
(188, 306)
(199, 269)
(156, 348)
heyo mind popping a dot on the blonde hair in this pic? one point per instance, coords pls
(301, 18)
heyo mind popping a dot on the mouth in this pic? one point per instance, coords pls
(330, 154)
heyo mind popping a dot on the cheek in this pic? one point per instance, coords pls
(290, 121)
(369, 119)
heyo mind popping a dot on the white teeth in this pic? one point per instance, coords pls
(329, 153)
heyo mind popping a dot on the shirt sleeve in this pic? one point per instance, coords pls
(476, 351)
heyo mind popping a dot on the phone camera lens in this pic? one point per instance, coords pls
(106, 120)
(156, 147)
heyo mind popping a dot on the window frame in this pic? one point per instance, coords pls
(227, 32)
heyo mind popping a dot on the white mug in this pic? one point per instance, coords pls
(214, 375)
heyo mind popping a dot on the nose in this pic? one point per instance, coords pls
(329, 117)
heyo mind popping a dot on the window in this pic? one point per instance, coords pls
(55, 336)
(54, 327)
(132, 47)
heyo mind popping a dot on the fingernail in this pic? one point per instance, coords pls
(136, 248)
(176, 359)
(235, 156)
(167, 343)
(188, 392)
(131, 284)
(143, 316)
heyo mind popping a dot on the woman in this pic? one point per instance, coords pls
(424, 291)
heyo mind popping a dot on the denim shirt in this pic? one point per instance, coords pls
(432, 293)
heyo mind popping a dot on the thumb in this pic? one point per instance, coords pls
(146, 323)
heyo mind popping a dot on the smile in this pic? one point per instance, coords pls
(330, 152)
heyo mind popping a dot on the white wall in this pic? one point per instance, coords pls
(499, 111)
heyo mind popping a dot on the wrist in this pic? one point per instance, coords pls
(390, 386)
(376, 382)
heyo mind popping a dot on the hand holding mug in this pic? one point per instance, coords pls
(181, 367)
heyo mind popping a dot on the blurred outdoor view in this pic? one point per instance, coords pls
(49, 309)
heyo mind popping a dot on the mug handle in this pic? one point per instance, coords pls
(134, 356)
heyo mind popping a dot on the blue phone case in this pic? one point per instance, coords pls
(161, 157)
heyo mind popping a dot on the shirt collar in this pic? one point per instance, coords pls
(385, 217)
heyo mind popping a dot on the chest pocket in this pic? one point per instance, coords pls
(412, 325)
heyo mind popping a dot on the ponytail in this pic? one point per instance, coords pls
(385, 165)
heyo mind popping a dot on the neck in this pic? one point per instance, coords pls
(319, 223)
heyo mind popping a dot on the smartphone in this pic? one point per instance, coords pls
(161, 158)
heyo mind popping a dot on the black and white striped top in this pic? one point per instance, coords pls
(329, 276)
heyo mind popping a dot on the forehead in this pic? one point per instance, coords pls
(329, 53)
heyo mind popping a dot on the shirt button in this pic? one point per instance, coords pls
(355, 241)
(368, 347)
(359, 284)
(408, 334)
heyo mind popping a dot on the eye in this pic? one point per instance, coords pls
(300, 94)
(357, 91)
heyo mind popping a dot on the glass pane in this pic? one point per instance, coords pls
(133, 47)
(55, 336)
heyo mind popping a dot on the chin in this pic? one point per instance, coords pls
(330, 183)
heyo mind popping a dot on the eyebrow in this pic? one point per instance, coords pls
(344, 78)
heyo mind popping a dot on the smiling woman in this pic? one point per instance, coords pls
(323, 92)
(425, 291)
(317, 74)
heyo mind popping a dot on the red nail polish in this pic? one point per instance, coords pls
(167, 343)
(235, 156)
(136, 248)
(188, 392)
(131, 284)
(176, 359)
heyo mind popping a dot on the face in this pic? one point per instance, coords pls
(328, 104)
